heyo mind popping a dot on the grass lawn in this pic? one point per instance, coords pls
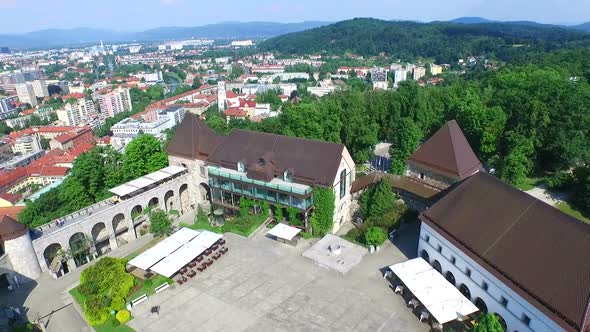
(528, 184)
(108, 325)
(157, 280)
(566, 208)
(235, 225)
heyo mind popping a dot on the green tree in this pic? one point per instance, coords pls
(4, 128)
(488, 323)
(581, 189)
(160, 223)
(405, 141)
(375, 236)
(143, 155)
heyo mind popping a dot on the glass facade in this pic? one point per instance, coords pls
(224, 183)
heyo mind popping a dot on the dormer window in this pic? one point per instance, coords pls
(241, 167)
(288, 176)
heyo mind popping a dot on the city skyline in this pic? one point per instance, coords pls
(137, 16)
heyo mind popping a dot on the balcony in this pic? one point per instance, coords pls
(275, 184)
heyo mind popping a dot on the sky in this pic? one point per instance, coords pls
(19, 16)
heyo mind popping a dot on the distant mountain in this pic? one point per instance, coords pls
(471, 20)
(479, 20)
(84, 36)
(443, 41)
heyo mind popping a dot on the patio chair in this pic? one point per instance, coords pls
(424, 315)
(413, 303)
(399, 289)
(200, 258)
(180, 282)
(214, 247)
(155, 310)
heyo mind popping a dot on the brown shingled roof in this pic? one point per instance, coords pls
(448, 152)
(193, 139)
(10, 228)
(312, 162)
(535, 249)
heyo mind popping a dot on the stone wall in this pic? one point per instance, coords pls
(428, 177)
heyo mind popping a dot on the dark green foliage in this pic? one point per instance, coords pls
(201, 216)
(292, 216)
(160, 223)
(581, 190)
(488, 323)
(446, 42)
(93, 174)
(278, 213)
(377, 200)
(322, 218)
(406, 139)
(269, 97)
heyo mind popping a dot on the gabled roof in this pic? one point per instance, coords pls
(312, 162)
(193, 138)
(531, 247)
(10, 228)
(448, 152)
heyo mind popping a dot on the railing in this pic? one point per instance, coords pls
(87, 212)
(286, 187)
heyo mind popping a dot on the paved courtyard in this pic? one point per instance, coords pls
(263, 285)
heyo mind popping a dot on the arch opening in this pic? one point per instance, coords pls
(81, 249)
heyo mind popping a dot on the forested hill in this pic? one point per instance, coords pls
(441, 40)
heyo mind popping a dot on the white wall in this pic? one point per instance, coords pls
(516, 307)
(342, 205)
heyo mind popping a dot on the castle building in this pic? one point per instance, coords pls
(280, 170)
(18, 262)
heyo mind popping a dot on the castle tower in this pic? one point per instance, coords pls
(221, 103)
(20, 260)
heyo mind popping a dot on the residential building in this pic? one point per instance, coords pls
(435, 69)
(25, 116)
(21, 160)
(48, 132)
(73, 138)
(76, 113)
(7, 107)
(127, 129)
(379, 78)
(115, 101)
(5, 152)
(40, 88)
(174, 114)
(510, 254)
(26, 144)
(268, 69)
(283, 171)
(26, 94)
(238, 43)
(399, 75)
(419, 72)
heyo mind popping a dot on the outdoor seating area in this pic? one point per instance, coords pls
(429, 295)
(181, 255)
(201, 262)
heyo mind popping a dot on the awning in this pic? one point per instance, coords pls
(284, 231)
(442, 300)
(164, 248)
(181, 257)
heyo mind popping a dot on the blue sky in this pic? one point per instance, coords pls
(134, 15)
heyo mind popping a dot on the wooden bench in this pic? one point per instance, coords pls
(139, 300)
(162, 287)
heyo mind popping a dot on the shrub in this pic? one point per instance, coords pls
(96, 310)
(278, 213)
(117, 303)
(160, 223)
(375, 236)
(322, 219)
(201, 217)
(148, 283)
(123, 316)
(559, 181)
(306, 235)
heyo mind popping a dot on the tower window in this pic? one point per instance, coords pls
(288, 176)
(343, 183)
(241, 167)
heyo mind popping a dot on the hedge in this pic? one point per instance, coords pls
(123, 316)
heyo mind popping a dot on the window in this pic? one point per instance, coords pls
(288, 176)
(427, 238)
(526, 319)
(439, 248)
(241, 167)
(453, 260)
(484, 285)
(504, 301)
(468, 272)
(343, 183)
(202, 170)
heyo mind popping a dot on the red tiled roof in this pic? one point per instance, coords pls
(230, 94)
(235, 111)
(12, 198)
(29, 111)
(11, 211)
(247, 103)
(75, 95)
(72, 135)
(47, 170)
(12, 176)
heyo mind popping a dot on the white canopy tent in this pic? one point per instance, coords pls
(158, 252)
(442, 300)
(181, 257)
(284, 231)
